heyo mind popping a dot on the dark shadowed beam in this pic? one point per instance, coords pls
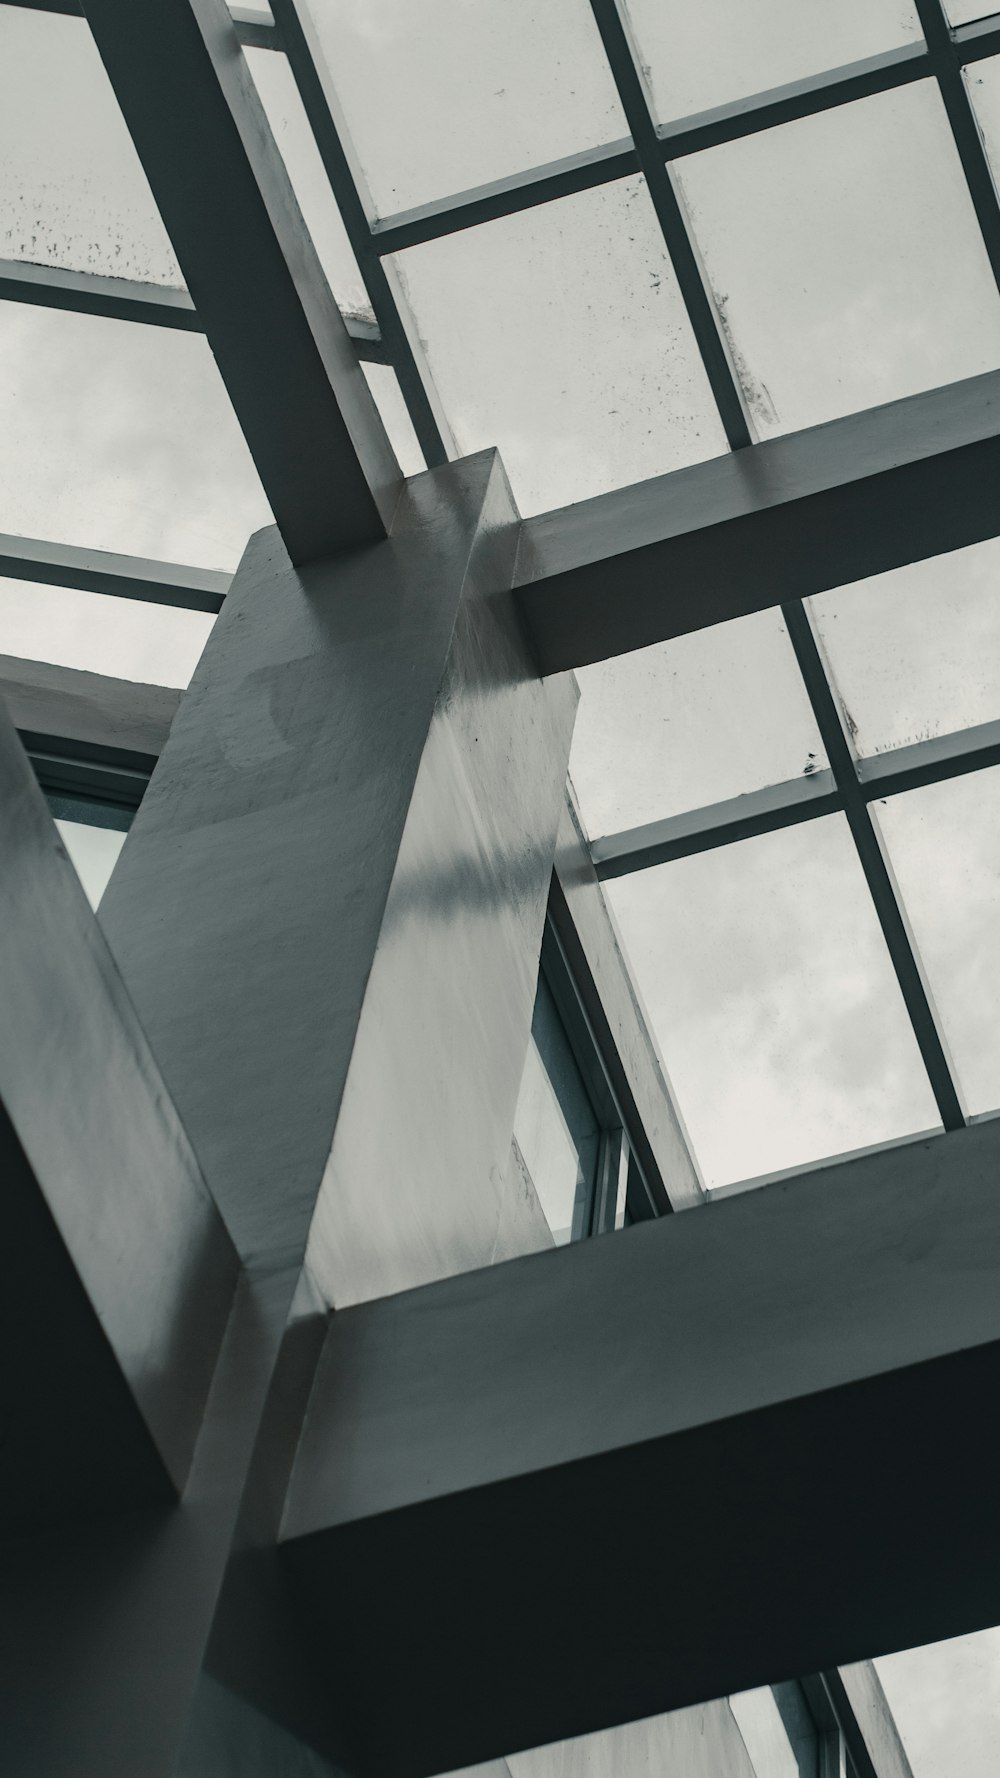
(787, 1397)
(103, 571)
(794, 516)
(118, 1276)
(189, 101)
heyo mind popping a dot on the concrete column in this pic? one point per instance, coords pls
(328, 916)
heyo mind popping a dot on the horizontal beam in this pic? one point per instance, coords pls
(124, 299)
(87, 708)
(117, 1274)
(790, 1395)
(776, 806)
(248, 261)
(796, 515)
(87, 773)
(122, 577)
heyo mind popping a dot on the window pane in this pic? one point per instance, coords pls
(554, 1126)
(279, 96)
(771, 994)
(123, 638)
(689, 722)
(916, 652)
(560, 336)
(944, 842)
(845, 258)
(118, 436)
(94, 853)
(446, 95)
(72, 190)
(983, 82)
(945, 1699)
(702, 53)
(384, 385)
(964, 12)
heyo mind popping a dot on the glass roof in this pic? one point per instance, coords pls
(530, 286)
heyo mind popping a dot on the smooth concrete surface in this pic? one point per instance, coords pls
(119, 1274)
(796, 515)
(78, 706)
(416, 1186)
(801, 1379)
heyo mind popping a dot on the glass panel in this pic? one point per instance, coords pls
(944, 842)
(965, 12)
(560, 336)
(554, 1126)
(384, 385)
(916, 652)
(279, 96)
(94, 853)
(778, 1731)
(945, 1699)
(446, 95)
(72, 190)
(121, 437)
(983, 82)
(772, 997)
(689, 722)
(845, 257)
(709, 53)
(123, 638)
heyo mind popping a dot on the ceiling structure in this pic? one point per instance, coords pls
(589, 251)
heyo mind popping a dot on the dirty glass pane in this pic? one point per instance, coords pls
(945, 1702)
(689, 722)
(944, 842)
(772, 998)
(94, 853)
(916, 652)
(845, 257)
(983, 82)
(447, 95)
(119, 436)
(279, 96)
(384, 385)
(98, 633)
(703, 53)
(778, 1731)
(72, 191)
(560, 336)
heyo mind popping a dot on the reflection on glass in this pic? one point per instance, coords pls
(560, 335)
(118, 436)
(945, 1701)
(778, 1731)
(771, 994)
(702, 53)
(555, 1129)
(72, 192)
(944, 842)
(845, 257)
(690, 722)
(279, 96)
(94, 853)
(446, 95)
(916, 652)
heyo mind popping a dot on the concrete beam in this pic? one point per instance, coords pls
(784, 1403)
(118, 1275)
(796, 515)
(280, 342)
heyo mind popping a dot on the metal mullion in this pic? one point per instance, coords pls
(756, 812)
(691, 279)
(946, 57)
(878, 872)
(429, 423)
